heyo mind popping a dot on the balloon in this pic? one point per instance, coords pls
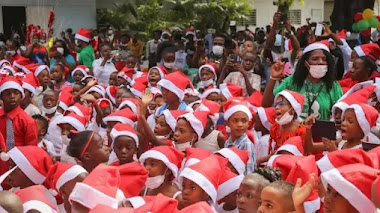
(373, 22)
(363, 25)
(355, 27)
(358, 17)
(368, 14)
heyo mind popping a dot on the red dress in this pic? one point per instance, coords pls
(279, 136)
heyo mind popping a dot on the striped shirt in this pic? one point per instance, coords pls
(244, 143)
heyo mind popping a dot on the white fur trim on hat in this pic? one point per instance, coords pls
(359, 51)
(93, 197)
(80, 70)
(172, 87)
(263, 118)
(40, 69)
(340, 105)
(315, 46)
(191, 161)
(114, 134)
(229, 186)
(83, 38)
(160, 156)
(12, 85)
(170, 120)
(324, 164)
(293, 102)
(360, 116)
(63, 105)
(69, 174)
(194, 123)
(271, 160)
(97, 90)
(348, 190)
(290, 148)
(234, 159)
(200, 180)
(312, 206)
(237, 108)
(73, 122)
(26, 71)
(29, 87)
(136, 92)
(26, 167)
(129, 104)
(225, 91)
(136, 202)
(121, 119)
(207, 92)
(37, 205)
(210, 67)
(76, 110)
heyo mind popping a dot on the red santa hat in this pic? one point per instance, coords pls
(79, 109)
(206, 174)
(82, 69)
(40, 69)
(33, 161)
(229, 182)
(166, 31)
(231, 90)
(83, 35)
(30, 68)
(320, 45)
(76, 121)
(139, 201)
(87, 77)
(61, 173)
(103, 208)
(159, 203)
(292, 145)
(4, 62)
(37, 198)
(237, 157)
(98, 89)
(233, 105)
(111, 93)
(176, 82)
(254, 101)
(171, 117)
(30, 83)
(267, 116)
(170, 156)
(371, 50)
(198, 121)
(65, 100)
(211, 67)
(125, 116)
(161, 70)
(209, 90)
(100, 187)
(136, 175)
(127, 74)
(190, 31)
(366, 116)
(194, 155)
(156, 92)
(129, 102)
(21, 62)
(11, 82)
(139, 85)
(209, 106)
(295, 99)
(353, 182)
(124, 130)
(9, 69)
(198, 207)
(104, 103)
(344, 157)
(283, 163)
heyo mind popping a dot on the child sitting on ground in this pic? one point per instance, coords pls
(125, 143)
(42, 127)
(49, 105)
(277, 197)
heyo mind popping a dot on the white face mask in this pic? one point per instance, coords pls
(207, 83)
(182, 146)
(217, 50)
(155, 182)
(151, 111)
(163, 137)
(350, 64)
(285, 119)
(60, 50)
(49, 111)
(12, 52)
(318, 71)
(65, 140)
(169, 65)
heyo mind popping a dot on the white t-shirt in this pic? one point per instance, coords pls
(32, 110)
(103, 72)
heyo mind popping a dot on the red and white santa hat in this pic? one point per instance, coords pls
(111, 93)
(136, 175)
(83, 35)
(176, 82)
(194, 155)
(139, 85)
(254, 101)
(231, 90)
(190, 31)
(21, 62)
(129, 102)
(103, 208)
(125, 116)
(267, 116)
(198, 207)
(171, 117)
(371, 50)
(320, 45)
(9, 69)
(233, 105)
(353, 182)
(30, 68)
(295, 99)
(127, 74)
(79, 109)
(161, 70)
(61, 173)
(76, 121)
(206, 174)
(104, 103)
(302, 169)
(98, 89)
(4, 62)
(366, 115)
(170, 156)
(229, 182)
(237, 157)
(37, 198)
(292, 145)
(211, 67)
(121, 129)
(87, 77)
(156, 92)
(209, 90)
(159, 203)
(11, 82)
(198, 121)
(33, 161)
(139, 201)
(65, 100)
(40, 69)
(283, 163)
(210, 106)
(82, 69)
(343, 157)
(100, 187)
(166, 31)
(30, 83)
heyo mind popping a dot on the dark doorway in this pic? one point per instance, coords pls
(14, 21)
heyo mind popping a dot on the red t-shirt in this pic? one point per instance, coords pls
(281, 136)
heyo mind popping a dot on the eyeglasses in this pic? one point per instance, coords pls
(280, 103)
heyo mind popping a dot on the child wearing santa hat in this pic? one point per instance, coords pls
(207, 74)
(113, 79)
(125, 143)
(155, 74)
(42, 127)
(49, 105)
(37, 199)
(277, 197)
(30, 83)
(58, 74)
(42, 73)
(264, 119)
(227, 191)
(79, 73)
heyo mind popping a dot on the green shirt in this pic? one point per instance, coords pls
(324, 102)
(86, 56)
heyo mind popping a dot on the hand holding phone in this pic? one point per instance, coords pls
(318, 29)
(324, 129)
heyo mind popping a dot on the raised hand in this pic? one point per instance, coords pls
(301, 193)
(278, 69)
(147, 98)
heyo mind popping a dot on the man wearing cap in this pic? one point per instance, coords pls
(85, 50)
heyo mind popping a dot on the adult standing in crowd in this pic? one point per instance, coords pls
(85, 50)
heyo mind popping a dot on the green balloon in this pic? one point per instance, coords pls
(363, 25)
(373, 22)
(355, 27)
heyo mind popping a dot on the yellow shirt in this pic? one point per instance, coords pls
(136, 48)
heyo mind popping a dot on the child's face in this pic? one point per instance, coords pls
(192, 193)
(230, 200)
(159, 101)
(282, 106)
(248, 197)
(40, 128)
(335, 202)
(120, 94)
(44, 78)
(57, 73)
(359, 71)
(183, 132)
(154, 77)
(249, 61)
(350, 126)
(121, 81)
(125, 148)
(11, 98)
(17, 178)
(113, 79)
(214, 97)
(239, 123)
(169, 97)
(131, 62)
(155, 167)
(49, 100)
(76, 89)
(97, 150)
(77, 77)
(162, 128)
(272, 200)
(66, 128)
(258, 125)
(206, 74)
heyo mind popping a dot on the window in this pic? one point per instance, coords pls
(251, 19)
(295, 16)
